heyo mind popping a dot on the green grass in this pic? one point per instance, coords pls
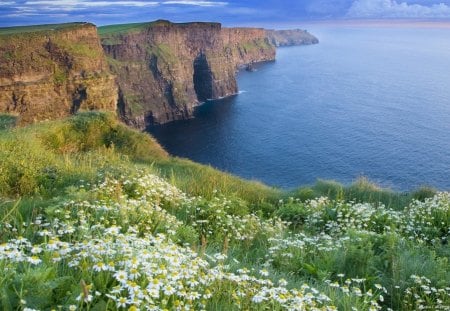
(92, 143)
(128, 28)
(38, 28)
(133, 27)
(121, 28)
(91, 173)
(60, 76)
(362, 190)
(162, 51)
(257, 44)
(78, 49)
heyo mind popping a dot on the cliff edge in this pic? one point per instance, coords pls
(51, 71)
(164, 70)
(291, 37)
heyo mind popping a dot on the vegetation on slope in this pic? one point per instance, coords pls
(118, 29)
(96, 216)
(38, 28)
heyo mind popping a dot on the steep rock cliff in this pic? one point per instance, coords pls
(151, 73)
(165, 70)
(51, 71)
(291, 37)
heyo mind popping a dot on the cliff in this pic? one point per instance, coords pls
(291, 37)
(151, 73)
(165, 70)
(51, 71)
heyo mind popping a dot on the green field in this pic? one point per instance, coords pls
(38, 28)
(127, 28)
(121, 28)
(97, 216)
(108, 30)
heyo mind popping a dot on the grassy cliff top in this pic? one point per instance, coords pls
(121, 28)
(128, 28)
(40, 28)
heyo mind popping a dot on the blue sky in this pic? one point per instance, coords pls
(229, 12)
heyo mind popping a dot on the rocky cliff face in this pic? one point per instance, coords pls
(52, 71)
(151, 73)
(291, 37)
(165, 70)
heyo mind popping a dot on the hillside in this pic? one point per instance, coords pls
(96, 216)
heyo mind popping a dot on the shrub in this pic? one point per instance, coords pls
(424, 193)
(7, 121)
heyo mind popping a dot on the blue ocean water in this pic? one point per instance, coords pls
(371, 102)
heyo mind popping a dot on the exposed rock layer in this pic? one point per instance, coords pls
(165, 70)
(53, 72)
(291, 37)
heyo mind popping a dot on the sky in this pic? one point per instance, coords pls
(228, 12)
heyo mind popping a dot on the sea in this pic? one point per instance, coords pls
(369, 101)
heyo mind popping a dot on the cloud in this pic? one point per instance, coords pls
(86, 9)
(61, 4)
(394, 9)
(197, 3)
(229, 12)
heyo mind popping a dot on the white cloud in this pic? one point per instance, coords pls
(394, 9)
(26, 14)
(84, 3)
(197, 3)
(76, 5)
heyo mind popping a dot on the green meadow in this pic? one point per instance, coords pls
(97, 216)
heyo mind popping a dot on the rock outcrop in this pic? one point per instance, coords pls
(291, 37)
(164, 70)
(48, 72)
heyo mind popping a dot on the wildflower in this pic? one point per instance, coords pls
(36, 250)
(34, 260)
(84, 298)
(121, 276)
(100, 266)
(122, 302)
(169, 290)
(282, 282)
(258, 298)
(193, 296)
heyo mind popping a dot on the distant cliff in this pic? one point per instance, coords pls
(291, 37)
(164, 70)
(51, 71)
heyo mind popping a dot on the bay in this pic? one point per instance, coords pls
(366, 101)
